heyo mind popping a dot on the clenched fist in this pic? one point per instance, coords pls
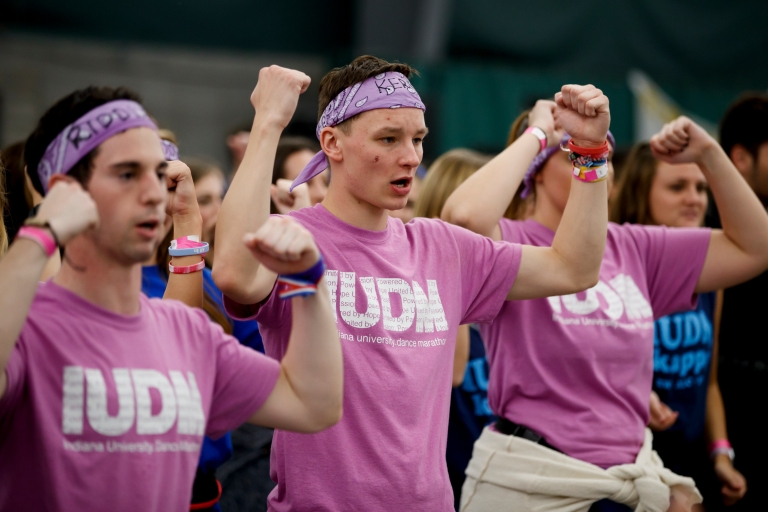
(283, 246)
(287, 201)
(682, 141)
(277, 94)
(582, 111)
(69, 210)
(542, 116)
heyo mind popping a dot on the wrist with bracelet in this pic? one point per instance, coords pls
(539, 134)
(187, 246)
(721, 447)
(301, 284)
(590, 165)
(40, 232)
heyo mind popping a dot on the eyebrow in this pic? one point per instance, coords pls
(397, 130)
(132, 165)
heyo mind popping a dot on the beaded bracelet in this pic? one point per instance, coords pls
(301, 284)
(187, 246)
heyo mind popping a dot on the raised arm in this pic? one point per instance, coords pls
(740, 250)
(572, 264)
(246, 206)
(308, 394)
(69, 211)
(183, 208)
(477, 206)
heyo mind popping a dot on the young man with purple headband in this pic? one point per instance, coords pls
(113, 390)
(399, 292)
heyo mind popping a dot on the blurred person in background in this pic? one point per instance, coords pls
(743, 365)
(570, 376)
(469, 399)
(22, 200)
(3, 232)
(687, 410)
(293, 154)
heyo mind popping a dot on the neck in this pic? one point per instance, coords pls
(355, 212)
(88, 273)
(546, 214)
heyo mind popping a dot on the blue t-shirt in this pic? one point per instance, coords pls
(682, 355)
(470, 412)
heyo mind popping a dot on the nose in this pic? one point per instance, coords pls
(692, 195)
(412, 156)
(153, 190)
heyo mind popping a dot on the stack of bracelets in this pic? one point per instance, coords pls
(589, 164)
(301, 284)
(188, 246)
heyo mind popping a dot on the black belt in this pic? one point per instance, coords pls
(509, 428)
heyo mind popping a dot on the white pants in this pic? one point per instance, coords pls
(512, 474)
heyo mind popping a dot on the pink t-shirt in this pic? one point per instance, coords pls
(399, 297)
(107, 412)
(577, 369)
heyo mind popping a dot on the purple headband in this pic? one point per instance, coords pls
(542, 158)
(385, 90)
(84, 135)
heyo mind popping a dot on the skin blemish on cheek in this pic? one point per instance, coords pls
(376, 159)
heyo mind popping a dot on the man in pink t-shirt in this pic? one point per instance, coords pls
(399, 291)
(105, 395)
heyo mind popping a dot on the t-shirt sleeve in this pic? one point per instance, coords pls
(244, 380)
(488, 270)
(15, 372)
(674, 259)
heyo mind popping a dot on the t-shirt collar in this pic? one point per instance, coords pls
(365, 235)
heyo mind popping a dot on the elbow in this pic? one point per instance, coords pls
(325, 418)
(225, 279)
(582, 281)
(457, 217)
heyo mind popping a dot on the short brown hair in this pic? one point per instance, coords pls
(631, 200)
(356, 71)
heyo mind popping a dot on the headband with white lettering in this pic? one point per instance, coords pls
(385, 90)
(84, 135)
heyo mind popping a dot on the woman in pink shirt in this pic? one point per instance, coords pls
(570, 376)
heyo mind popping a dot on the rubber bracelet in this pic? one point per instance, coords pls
(721, 446)
(301, 284)
(40, 236)
(188, 269)
(539, 134)
(591, 174)
(187, 246)
(720, 443)
(601, 152)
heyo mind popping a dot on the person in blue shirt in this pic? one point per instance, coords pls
(687, 412)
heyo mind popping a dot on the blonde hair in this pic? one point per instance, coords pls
(444, 176)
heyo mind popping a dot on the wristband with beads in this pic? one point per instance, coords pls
(301, 284)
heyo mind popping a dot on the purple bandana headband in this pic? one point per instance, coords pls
(541, 159)
(84, 135)
(385, 90)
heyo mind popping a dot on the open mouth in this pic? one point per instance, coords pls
(402, 182)
(150, 224)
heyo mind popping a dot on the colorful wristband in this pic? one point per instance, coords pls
(591, 174)
(40, 236)
(188, 269)
(721, 446)
(539, 134)
(597, 153)
(187, 246)
(301, 284)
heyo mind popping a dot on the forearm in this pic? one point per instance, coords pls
(580, 237)
(480, 202)
(461, 355)
(743, 217)
(313, 361)
(187, 288)
(244, 209)
(20, 271)
(715, 426)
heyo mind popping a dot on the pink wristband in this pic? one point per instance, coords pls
(40, 236)
(539, 134)
(591, 174)
(720, 443)
(188, 269)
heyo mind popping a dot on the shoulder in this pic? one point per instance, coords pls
(175, 312)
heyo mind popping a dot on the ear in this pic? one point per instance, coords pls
(56, 178)
(742, 159)
(331, 144)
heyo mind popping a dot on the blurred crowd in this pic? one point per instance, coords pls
(708, 360)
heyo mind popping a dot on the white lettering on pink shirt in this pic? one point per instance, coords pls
(86, 389)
